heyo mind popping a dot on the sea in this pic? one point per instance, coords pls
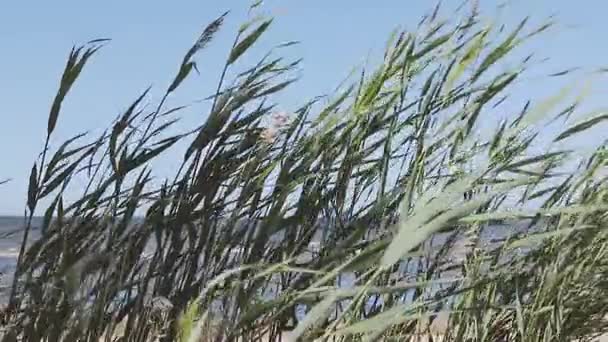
(11, 237)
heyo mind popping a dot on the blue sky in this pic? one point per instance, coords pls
(150, 37)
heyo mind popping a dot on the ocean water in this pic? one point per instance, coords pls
(11, 235)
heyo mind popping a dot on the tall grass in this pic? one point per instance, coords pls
(390, 171)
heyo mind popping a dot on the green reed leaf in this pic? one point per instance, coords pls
(76, 62)
(248, 41)
(500, 51)
(582, 126)
(318, 312)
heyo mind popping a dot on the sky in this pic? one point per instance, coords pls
(150, 37)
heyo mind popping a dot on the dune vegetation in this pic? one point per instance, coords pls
(376, 213)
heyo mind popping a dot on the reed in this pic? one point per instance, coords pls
(387, 178)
